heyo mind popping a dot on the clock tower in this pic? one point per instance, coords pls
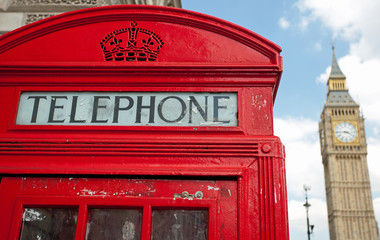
(344, 157)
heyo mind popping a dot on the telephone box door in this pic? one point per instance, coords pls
(95, 208)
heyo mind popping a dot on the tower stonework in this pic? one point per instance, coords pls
(344, 157)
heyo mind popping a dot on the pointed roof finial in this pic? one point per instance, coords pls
(332, 44)
(335, 69)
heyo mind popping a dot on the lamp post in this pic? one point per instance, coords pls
(307, 205)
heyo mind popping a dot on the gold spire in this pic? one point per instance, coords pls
(337, 80)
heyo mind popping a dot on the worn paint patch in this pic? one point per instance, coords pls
(259, 101)
(213, 188)
(87, 192)
(275, 196)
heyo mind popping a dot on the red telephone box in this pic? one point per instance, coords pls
(136, 122)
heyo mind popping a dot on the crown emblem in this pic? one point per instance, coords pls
(131, 44)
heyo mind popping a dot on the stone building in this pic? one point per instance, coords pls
(344, 156)
(17, 13)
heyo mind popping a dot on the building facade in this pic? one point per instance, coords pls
(344, 156)
(17, 13)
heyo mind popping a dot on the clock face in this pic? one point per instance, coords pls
(345, 132)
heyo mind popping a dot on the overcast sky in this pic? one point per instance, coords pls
(304, 29)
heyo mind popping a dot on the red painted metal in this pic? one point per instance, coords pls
(200, 54)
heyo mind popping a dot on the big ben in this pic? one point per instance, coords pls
(344, 157)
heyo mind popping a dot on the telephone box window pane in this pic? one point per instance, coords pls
(49, 223)
(180, 224)
(114, 224)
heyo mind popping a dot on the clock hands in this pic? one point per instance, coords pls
(345, 132)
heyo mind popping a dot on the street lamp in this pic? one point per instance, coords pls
(307, 205)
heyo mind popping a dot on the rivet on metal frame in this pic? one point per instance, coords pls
(185, 194)
(199, 195)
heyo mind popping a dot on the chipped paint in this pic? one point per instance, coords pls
(259, 102)
(229, 192)
(86, 192)
(120, 193)
(212, 188)
(275, 196)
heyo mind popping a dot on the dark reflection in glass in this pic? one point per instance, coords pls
(49, 224)
(179, 224)
(114, 224)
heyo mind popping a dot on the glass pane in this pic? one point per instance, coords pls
(179, 224)
(49, 223)
(114, 224)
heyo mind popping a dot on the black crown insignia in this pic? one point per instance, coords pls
(131, 44)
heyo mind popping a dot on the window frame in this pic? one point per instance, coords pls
(84, 203)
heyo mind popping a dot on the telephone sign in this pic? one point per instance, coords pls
(127, 108)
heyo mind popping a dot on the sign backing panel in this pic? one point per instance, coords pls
(128, 109)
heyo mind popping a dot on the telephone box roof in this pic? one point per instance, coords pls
(182, 42)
